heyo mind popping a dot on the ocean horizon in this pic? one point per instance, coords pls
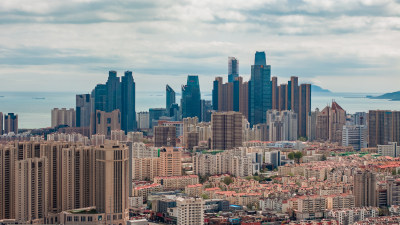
(34, 108)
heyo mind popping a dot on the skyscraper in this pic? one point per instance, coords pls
(83, 109)
(260, 92)
(233, 69)
(226, 130)
(282, 125)
(170, 99)
(384, 127)
(337, 119)
(112, 182)
(355, 136)
(113, 98)
(165, 136)
(128, 113)
(304, 108)
(190, 102)
(11, 123)
(31, 183)
(365, 188)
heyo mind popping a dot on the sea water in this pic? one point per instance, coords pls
(34, 108)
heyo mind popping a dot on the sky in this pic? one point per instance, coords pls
(58, 45)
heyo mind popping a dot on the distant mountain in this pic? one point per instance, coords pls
(394, 96)
(315, 88)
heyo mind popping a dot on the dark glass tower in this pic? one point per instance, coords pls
(170, 99)
(233, 69)
(128, 112)
(260, 90)
(190, 101)
(113, 92)
(83, 110)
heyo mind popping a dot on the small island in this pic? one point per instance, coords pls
(393, 96)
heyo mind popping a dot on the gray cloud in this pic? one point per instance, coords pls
(166, 40)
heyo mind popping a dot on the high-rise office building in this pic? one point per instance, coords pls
(170, 99)
(206, 110)
(112, 178)
(293, 97)
(365, 188)
(355, 136)
(190, 102)
(304, 108)
(11, 123)
(337, 119)
(226, 130)
(165, 136)
(83, 110)
(31, 193)
(330, 122)
(260, 92)
(384, 127)
(105, 122)
(116, 94)
(282, 125)
(312, 125)
(275, 93)
(63, 117)
(113, 92)
(128, 113)
(142, 119)
(233, 69)
(154, 116)
(231, 96)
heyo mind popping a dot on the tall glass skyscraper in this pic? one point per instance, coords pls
(190, 102)
(113, 92)
(233, 69)
(170, 99)
(128, 112)
(260, 90)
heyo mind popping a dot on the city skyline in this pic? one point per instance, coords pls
(324, 42)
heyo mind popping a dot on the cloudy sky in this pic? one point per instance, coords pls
(58, 45)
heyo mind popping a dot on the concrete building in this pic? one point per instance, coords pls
(384, 127)
(312, 124)
(274, 158)
(31, 183)
(172, 183)
(226, 130)
(63, 117)
(106, 122)
(112, 182)
(282, 125)
(11, 123)
(391, 149)
(190, 211)
(143, 120)
(165, 136)
(330, 122)
(170, 162)
(365, 188)
(355, 136)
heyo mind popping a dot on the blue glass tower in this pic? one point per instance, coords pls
(190, 101)
(128, 112)
(233, 69)
(260, 90)
(170, 99)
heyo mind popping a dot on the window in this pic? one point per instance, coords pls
(83, 219)
(69, 218)
(76, 218)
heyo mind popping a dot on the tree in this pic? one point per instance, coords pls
(297, 156)
(323, 158)
(228, 180)
(204, 196)
(291, 155)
